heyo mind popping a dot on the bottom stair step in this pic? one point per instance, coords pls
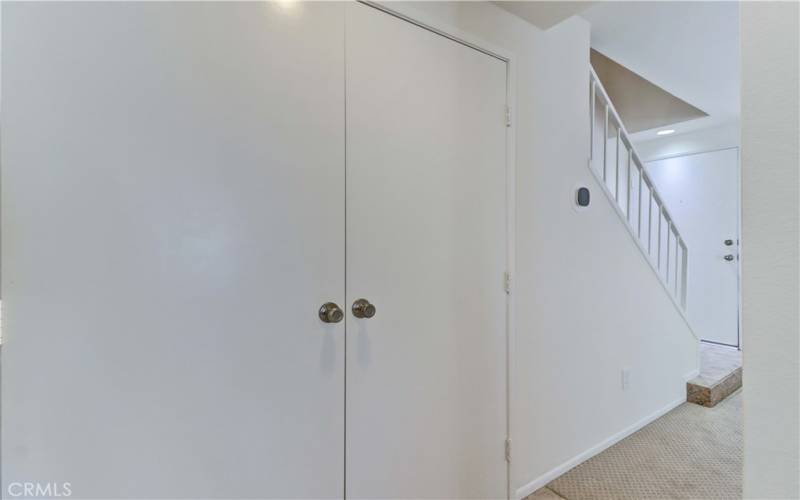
(720, 375)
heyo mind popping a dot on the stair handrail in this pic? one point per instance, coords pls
(678, 295)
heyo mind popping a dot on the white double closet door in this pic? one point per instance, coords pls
(204, 190)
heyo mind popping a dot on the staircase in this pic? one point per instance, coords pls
(615, 163)
(617, 167)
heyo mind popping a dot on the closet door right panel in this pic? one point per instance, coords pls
(426, 245)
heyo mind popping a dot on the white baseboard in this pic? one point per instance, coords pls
(586, 455)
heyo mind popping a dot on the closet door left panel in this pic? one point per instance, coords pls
(173, 218)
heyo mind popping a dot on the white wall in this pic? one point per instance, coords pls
(771, 248)
(587, 302)
(698, 141)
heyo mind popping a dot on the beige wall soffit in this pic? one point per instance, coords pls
(641, 104)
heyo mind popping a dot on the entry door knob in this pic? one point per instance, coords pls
(729, 257)
(330, 313)
(363, 309)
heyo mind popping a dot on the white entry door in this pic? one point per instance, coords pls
(174, 219)
(426, 245)
(702, 194)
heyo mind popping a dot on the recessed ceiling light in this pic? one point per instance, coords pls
(666, 132)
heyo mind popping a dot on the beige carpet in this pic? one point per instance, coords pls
(691, 452)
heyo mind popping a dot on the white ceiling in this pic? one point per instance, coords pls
(690, 49)
(544, 14)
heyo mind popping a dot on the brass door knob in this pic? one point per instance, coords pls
(363, 309)
(330, 313)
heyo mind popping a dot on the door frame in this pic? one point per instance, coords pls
(738, 228)
(426, 21)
